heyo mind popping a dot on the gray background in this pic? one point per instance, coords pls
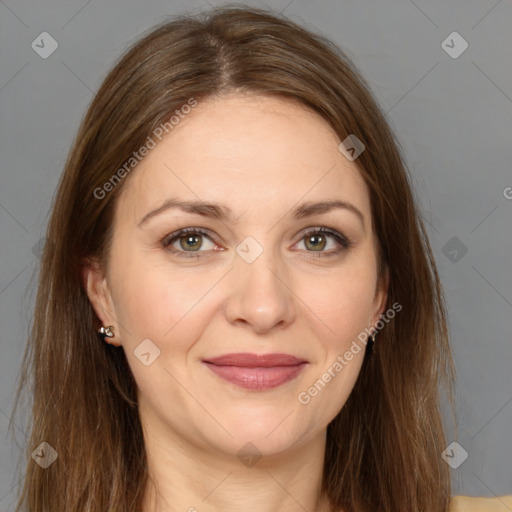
(453, 117)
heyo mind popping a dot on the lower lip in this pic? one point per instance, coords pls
(257, 379)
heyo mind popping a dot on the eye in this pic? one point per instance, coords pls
(188, 241)
(317, 240)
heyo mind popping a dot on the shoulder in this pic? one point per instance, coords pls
(469, 504)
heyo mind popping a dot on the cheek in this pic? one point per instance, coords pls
(343, 300)
(342, 309)
(154, 302)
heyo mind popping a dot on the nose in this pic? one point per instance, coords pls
(260, 297)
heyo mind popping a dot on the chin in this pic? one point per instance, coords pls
(264, 431)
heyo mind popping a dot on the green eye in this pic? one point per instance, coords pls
(192, 242)
(316, 240)
(189, 240)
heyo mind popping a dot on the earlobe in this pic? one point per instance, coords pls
(381, 295)
(97, 290)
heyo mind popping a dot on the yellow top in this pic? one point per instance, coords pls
(468, 504)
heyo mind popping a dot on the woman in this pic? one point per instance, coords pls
(238, 306)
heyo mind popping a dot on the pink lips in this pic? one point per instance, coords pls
(256, 372)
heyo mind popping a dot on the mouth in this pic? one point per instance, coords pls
(256, 372)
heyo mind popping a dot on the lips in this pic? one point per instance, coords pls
(254, 360)
(256, 372)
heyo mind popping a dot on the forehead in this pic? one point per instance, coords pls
(250, 151)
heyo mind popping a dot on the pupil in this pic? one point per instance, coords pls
(192, 241)
(316, 241)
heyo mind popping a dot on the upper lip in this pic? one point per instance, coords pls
(247, 360)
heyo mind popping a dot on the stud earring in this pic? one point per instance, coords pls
(106, 332)
(370, 343)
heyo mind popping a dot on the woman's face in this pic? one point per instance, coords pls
(250, 277)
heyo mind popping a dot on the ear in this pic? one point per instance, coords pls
(97, 289)
(381, 296)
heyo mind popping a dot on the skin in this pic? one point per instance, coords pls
(261, 157)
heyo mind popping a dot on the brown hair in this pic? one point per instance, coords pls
(383, 448)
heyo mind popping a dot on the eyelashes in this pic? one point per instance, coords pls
(187, 234)
(193, 239)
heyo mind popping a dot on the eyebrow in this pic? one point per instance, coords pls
(221, 212)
